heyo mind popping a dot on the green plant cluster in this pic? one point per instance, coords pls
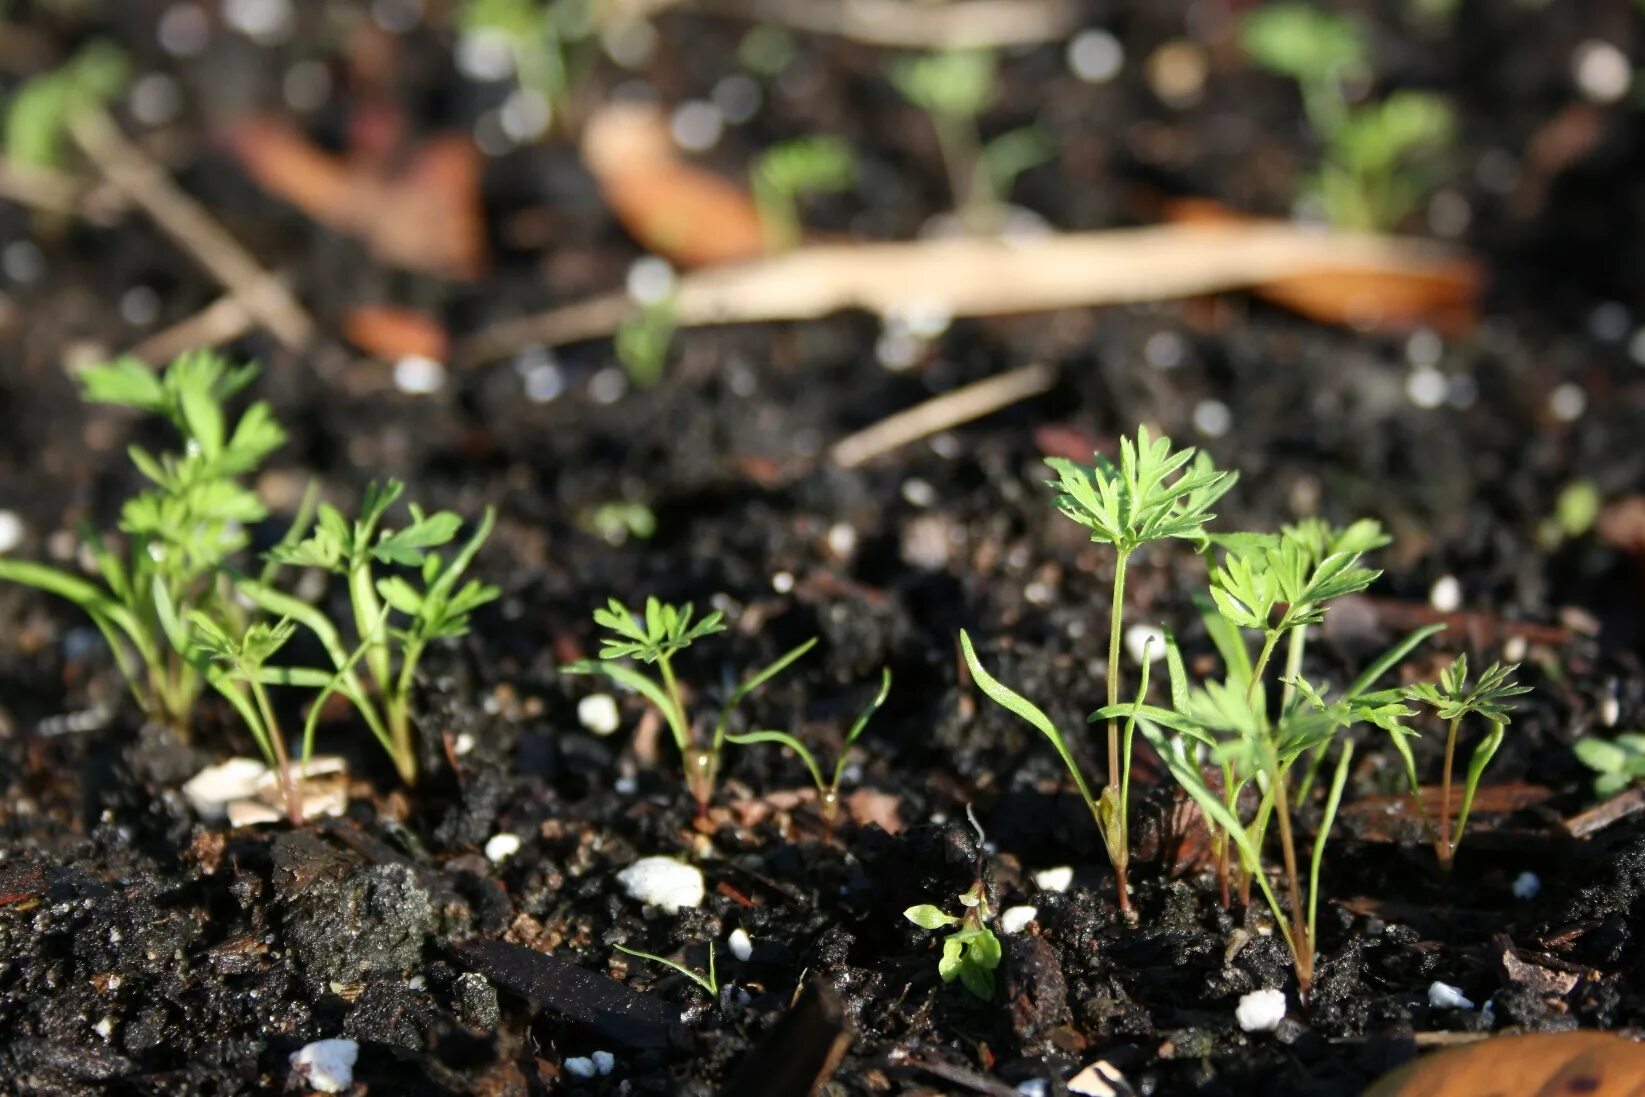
(1228, 733)
(1378, 157)
(183, 609)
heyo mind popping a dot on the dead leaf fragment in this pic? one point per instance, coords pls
(1442, 295)
(683, 212)
(1540, 1064)
(390, 331)
(423, 214)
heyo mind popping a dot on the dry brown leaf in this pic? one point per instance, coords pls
(390, 331)
(981, 276)
(1440, 295)
(1540, 1064)
(682, 212)
(424, 215)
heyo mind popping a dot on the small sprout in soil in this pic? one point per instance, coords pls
(709, 981)
(643, 340)
(954, 89)
(1619, 762)
(180, 533)
(618, 521)
(423, 590)
(1452, 699)
(1378, 156)
(828, 793)
(970, 953)
(656, 637)
(1276, 585)
(796, 169)
(38, 117)
(553, 46)
(1127, 507)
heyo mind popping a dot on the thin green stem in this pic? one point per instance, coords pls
(1304, 956)
(1116, 613)
(678, 721)
(277, 742)
(1446, 849)
(962, 158)
(1269, 639)
(1296, 643)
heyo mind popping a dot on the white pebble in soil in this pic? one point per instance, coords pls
(184, 30)
(1034, 1087)
(697, 125)
(1445, 996)
(580, 1066)
(1426, 387)
(1568, 402)
(1095, 56)
(737, 97)
(663, 882)
(500, 847)
(1016, 919)
(1527, 885)
(650, 280)
(1446, 594)
(417, 375)
(266, 22)
(598, 713)
(326, 1065)
(1212, 418)
(1261, 1010)
(11, 531)
(525, 115)
(485, 55)
(1054, 879)
(742, 946)
(1145, 641)
(1602, 72)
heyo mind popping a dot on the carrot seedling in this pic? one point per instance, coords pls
(972, 952)
(1452, 699)
(792, 170)
(828, 793)
(654, 638)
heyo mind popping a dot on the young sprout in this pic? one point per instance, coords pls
(954, 89)
(643, 340)
(550, 45)
(655, 637)
(796, 169)
(1370, 178)
(38, 118)
(180, 532)
(1274, 585)
(1618, 762)
(971, 953)
(424, 593)
(1452, 699)
(709, 981)
(828, 793)
(1155, 494)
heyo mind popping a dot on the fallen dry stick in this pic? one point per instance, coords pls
(187, 222)
(980, 277)
(51, 191)
(222, 321)
(941, 413)
(900, 24)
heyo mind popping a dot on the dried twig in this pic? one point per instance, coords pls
(941, 413)
(52, 191)
(143, 181)
(901, 24)
(222, 321)
(979, 277)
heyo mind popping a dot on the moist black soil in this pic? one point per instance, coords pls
(142, 951)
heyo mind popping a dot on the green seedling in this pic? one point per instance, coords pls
(828, 793)
(709, 981)
(792, 170)
(1452, 699)
(954, 89)
(421, 595)
(37, 120)
(617, 521)
(180, 532)
(1618, 762)
(553, 44)
(643, 340)
(971, 953)
(1377, 157)
(654, 638)
(1274, 585)
(1154, 494)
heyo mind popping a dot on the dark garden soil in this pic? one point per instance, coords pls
(142, 951)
